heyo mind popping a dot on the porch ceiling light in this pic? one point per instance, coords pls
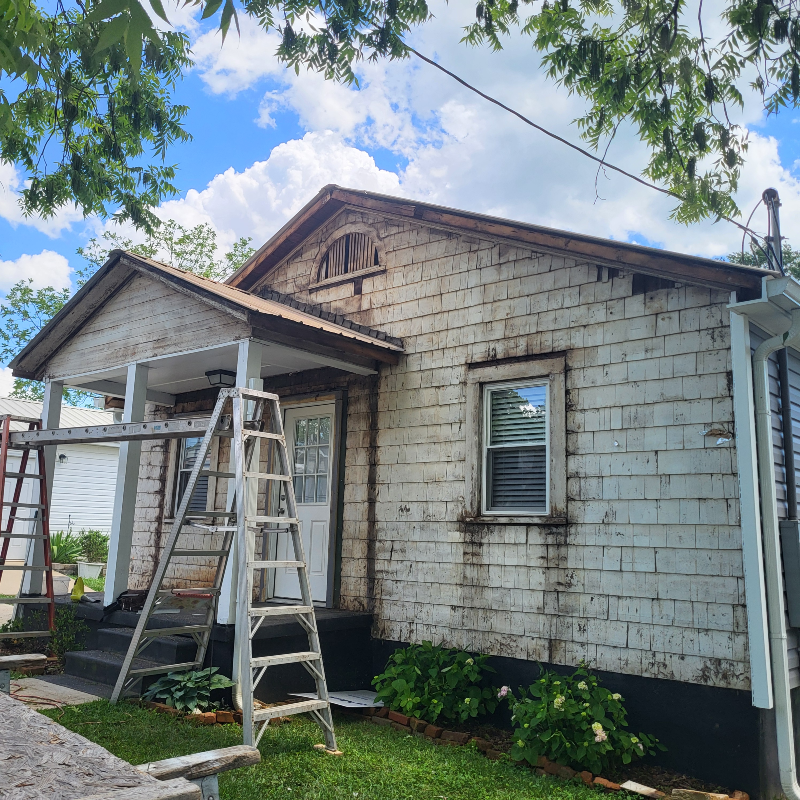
(221, 377)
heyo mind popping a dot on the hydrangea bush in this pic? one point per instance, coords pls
(574, 721)
(429, 682)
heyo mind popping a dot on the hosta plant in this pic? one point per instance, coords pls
(188, 691)
(427, 681)
(574, 721)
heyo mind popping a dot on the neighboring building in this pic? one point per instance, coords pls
(510, 439)
(85, 474)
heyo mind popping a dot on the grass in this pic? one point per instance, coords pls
(379, 763)
(95, 584)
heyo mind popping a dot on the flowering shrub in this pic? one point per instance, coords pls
(431, 682)
(573, 721)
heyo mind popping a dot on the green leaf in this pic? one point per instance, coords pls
(106, 9)
(211, 8)
(158, 7)
(112, 33)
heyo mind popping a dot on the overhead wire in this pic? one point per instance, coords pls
(577, 148)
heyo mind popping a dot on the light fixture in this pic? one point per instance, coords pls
(221, 377)
(62, 458)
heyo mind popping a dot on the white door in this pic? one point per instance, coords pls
(309, 438)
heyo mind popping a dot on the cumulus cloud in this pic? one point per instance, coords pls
(259, 200)
(45, 269)
(11, 184)
(457, 149)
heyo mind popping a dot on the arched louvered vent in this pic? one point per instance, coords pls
(349, 253)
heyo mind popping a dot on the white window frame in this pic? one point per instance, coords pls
(488, 388)
(172, 482)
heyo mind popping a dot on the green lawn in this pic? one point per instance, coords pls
(379, 763)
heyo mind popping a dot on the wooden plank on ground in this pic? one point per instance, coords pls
(199, 765)
(175, 789)
(42, 760)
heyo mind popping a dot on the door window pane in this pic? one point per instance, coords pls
(312, 459)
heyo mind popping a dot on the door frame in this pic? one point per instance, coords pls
(337, 397)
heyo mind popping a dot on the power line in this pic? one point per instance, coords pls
(558, 138)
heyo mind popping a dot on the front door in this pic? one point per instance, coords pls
(309, 438)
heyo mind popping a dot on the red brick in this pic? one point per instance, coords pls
(586, 777)
(482, 744)
(396, 716)
(417, 725)
(493, 755)
(206, 718)
(402, 728)
(454, 737)
(598, 781)
(225, 717)
(737, 795)
(237, 717)
(433, 731)
(382, 720)
(383, 712)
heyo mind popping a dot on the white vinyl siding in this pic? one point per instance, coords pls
(515, 448)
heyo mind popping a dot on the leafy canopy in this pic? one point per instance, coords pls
(25, 310)
(645, 63)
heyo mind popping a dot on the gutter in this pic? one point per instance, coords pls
(779, 304)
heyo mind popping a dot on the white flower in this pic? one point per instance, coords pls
(504, 690)
(600, 736)
(640, 748)
(469, 661)
(582, 686)
(558, 703)
(597, 727)
(616, 696)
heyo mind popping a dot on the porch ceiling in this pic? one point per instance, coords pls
(186, 372)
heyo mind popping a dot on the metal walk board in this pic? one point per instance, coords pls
(40, 520)
(238, 523)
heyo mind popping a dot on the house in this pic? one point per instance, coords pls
(84, 478)
(511, 439)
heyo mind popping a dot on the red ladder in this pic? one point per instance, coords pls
(13, 506)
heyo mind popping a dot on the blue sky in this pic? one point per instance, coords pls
(265, 141)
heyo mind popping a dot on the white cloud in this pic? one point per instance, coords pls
(45, 269)
(10, 186)
(6, 382)
(257, 201)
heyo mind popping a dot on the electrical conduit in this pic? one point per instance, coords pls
(772, 557)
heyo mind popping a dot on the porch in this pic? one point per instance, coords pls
(156, 342)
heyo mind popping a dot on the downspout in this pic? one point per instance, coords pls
(772, 558)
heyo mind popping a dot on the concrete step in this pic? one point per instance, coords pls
(163, 650)
(103, 667)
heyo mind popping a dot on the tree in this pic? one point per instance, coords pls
(791, 260)
(25, 310)
(81, 106)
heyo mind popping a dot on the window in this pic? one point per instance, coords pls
(311, 464)
(188, 451)
(352, 252)
(516, 448)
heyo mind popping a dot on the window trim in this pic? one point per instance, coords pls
(487, 389)
(172, 482)
(347, 277)
(521, 369)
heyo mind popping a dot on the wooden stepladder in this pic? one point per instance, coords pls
(255, 429)
(35, 512)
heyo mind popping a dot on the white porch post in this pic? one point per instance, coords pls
(51, 417)
(119, 551)
(248, 375)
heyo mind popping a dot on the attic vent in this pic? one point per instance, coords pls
(349, 253)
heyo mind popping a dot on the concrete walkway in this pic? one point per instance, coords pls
(50, 691)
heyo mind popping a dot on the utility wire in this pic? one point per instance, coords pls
(558, 138)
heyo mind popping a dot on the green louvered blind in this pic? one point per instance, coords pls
(516, 448)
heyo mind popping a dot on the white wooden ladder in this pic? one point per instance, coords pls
(255, 421)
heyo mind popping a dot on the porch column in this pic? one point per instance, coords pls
(51, 417)
(248, 375)
(119, 550)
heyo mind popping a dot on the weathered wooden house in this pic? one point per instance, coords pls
(506, 438)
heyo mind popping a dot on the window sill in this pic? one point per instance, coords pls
(540, 519)
(346, 278)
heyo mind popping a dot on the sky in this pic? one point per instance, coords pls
(265, 141)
